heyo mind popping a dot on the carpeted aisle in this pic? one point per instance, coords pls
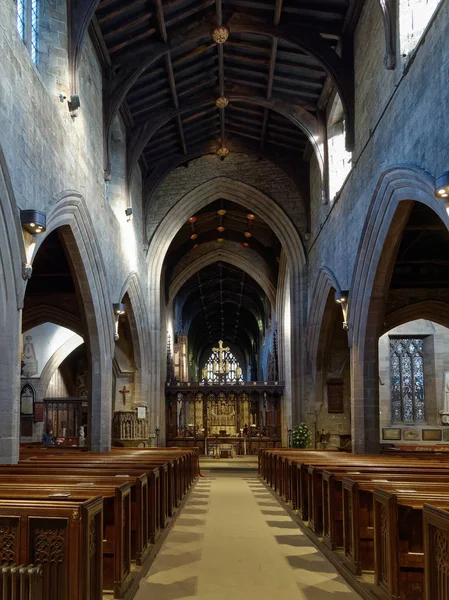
(233, 541)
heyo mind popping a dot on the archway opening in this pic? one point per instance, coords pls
(222, 333)
(414, 382)
(411, 283)
(56, 356)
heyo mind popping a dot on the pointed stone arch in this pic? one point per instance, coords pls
(397, 190)
(12, 262)
(430, 310)
(268, 210)
(69, 214)
(55, 362)
(139, 325)
(326, 284)
(227, 256)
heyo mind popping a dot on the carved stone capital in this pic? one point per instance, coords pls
(27, 271)
(389, 9)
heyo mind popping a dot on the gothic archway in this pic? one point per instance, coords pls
(397, 191)
(257, 202)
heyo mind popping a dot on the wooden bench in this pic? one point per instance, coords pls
(436, 548)
(399, 543)
(116, 523)
(64, 537)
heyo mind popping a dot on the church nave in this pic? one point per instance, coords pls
(233, 538)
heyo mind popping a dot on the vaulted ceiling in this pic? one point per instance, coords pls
(219, 222)
(222, 302)
(166, 68)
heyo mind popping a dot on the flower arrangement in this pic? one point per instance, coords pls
(301, 436)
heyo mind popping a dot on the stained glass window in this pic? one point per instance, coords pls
(20, 21)
(407, 380)
(27, 25)
(224, 370)
(34, 37)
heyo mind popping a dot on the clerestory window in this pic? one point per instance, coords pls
(407, 380)
(27, 25)
(414, 16)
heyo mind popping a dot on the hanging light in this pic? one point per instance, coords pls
(196, 246)
(220, 240)
(221, 212)
(222, 153)
(245, 244)
(193, 236)
(442, 186)
(247, 234)
(220, 229)
(220, 34)
(250, 216)
(192, 220)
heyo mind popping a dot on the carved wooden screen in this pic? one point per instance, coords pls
(335, 399)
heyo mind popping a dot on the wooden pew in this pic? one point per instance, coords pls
(116, 523)
(64, 537)
(399, 544)
(436, 549)
(359, 515)
(333, 502)
(153, 489)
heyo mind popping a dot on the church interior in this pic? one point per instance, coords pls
(224, 291)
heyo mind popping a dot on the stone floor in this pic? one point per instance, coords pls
(233, 540)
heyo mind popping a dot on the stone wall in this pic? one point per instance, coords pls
(259, 173)
(393, 126)
(49, 156)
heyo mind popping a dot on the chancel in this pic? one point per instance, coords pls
(224, 299)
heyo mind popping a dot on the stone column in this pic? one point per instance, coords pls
(10, 386)
(445, 404)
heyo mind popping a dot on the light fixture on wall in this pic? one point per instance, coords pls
(128, 213)
(33, 221)
(442, 186)
(74, 105)
(119, 309)
(341, 297)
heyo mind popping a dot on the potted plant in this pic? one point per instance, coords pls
(301, 436)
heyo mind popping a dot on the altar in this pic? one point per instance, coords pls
(230, 414)
(225, 447)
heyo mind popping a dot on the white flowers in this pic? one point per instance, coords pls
(301, 436)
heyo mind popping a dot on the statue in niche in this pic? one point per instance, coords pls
(30, 366)
(81, 438)
(27, 400)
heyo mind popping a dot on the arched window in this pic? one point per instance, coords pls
(414, 16)
(27, 25)
(226, 370)
(340, 160)
(407, 380)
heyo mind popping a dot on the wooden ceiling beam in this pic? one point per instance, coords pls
(277, 12)
(241, 101)
(188, 13)
(119, 12)
(221, 74)
(136, 38)
(126, 25)
(161, 20)
(271, 70)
